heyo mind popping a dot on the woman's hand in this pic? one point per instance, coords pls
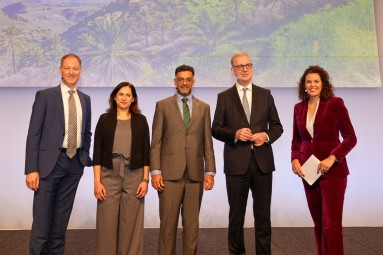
(296, 167)
(325, 165)
(142, 190)
(99, 191)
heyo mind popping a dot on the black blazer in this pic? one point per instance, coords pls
(104, 137)
(229, 117)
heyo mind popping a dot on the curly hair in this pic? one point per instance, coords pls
(113, 105)
(327, 87)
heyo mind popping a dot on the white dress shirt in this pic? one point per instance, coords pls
(65, 95)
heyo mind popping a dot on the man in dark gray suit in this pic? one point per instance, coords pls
(247, 121)
(57, 150)
(182, 162)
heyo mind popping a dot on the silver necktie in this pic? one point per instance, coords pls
(245, 104)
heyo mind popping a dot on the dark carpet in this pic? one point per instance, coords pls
(213, 241)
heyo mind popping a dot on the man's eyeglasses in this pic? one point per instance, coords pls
(182, 80)
(242, 67)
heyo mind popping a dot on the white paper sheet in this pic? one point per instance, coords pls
(310, 168)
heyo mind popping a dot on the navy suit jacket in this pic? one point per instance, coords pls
(47, 130)
(229, 117)
(331, 120)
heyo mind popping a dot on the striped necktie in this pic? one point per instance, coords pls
(186, 112)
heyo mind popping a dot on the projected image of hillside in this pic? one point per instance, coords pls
(143, 41)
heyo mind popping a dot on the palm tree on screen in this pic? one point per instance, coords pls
(13, 40)
(58, 46)
(110, 53)
(34, 56)
(214, 32)
(238, 10)
(145, 19)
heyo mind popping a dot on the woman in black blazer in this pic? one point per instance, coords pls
(121, 173)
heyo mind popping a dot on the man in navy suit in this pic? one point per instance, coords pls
(53, 169)
(247, 121)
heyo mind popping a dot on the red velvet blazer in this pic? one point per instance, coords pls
(331, 120)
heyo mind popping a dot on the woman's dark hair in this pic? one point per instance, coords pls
(327, 87)
(133, 106)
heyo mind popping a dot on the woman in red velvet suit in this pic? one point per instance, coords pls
(318, 120)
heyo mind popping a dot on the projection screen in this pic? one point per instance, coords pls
(143, 41)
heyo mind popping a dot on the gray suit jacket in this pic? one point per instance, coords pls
(47, 129)
(174, 148)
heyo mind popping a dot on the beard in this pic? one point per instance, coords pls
(184, 94)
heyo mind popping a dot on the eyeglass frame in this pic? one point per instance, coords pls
(182, 80)
(242, 67)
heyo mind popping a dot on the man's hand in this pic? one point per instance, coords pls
(243, 134)
(33, 180)
(259, 138)
(158, 182)
(208, 183)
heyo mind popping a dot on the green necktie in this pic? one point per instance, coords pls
(186, 112)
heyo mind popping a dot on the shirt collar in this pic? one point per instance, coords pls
(240, 87)
(66, 89)
(179, 97)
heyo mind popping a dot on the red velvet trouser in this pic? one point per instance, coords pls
(325, 200)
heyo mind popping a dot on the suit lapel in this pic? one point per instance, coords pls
(303, 118)
(319, 117)
(173, 104)
(83, 107)
(60, 105)
(195, 111)
(254, 102)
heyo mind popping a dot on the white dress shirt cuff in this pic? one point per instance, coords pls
(154, 172)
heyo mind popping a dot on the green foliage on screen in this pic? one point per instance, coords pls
(143, 41)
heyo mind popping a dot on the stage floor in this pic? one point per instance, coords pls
(213, 241)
